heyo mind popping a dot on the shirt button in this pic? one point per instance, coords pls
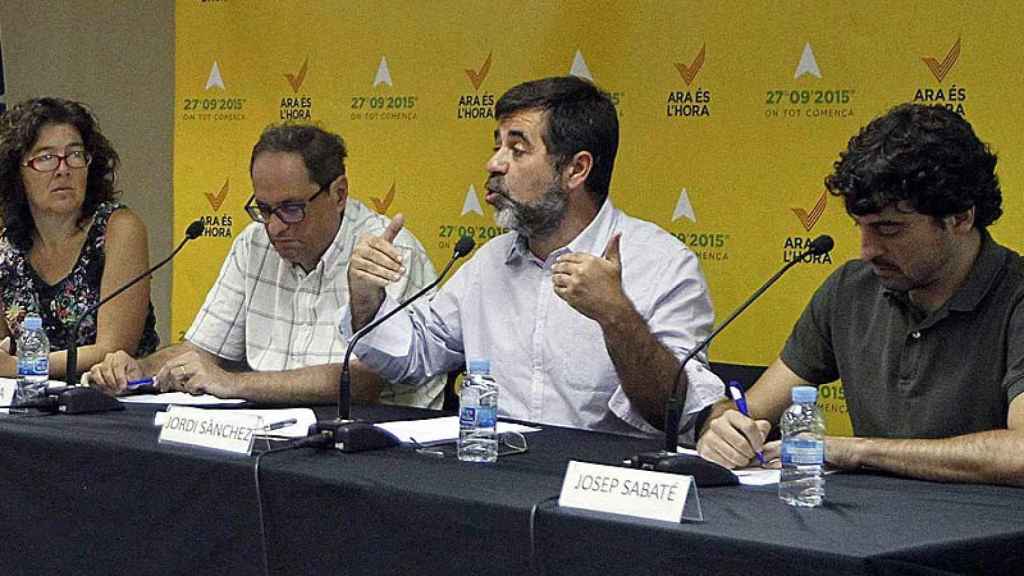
(916, 335)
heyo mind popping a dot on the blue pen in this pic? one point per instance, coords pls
(136, 384)
(736, 391)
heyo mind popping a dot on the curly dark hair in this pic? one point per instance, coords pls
(19, 129)
(927, 156)
(580, 116)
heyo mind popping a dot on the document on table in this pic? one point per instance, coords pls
(439, 430)
(179, 399)
(750, 476)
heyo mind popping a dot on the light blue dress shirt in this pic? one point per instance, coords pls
(549, 360)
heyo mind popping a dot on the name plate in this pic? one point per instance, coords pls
(628, 491)
(219, 430)
(7, 389)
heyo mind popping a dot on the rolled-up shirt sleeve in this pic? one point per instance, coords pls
(675, 303)
(415, 344)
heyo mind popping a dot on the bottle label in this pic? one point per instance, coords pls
(803, 452)
(34, 366)
(467, 417)
(486, 417)
(478, 417)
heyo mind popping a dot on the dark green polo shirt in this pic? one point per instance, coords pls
(907, 374)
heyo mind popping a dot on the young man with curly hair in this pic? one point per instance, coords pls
(926, 330)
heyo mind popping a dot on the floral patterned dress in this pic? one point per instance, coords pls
(22, 290)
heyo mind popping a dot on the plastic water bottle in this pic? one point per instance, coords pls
(803, 450)
(33, 360)
(478, 414)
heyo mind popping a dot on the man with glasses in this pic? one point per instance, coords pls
(267, 331)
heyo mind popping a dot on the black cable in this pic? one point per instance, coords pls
(48, 403)
(534, 562)
(312, 441)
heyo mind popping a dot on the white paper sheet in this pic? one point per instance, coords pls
(750, 476)
(439, 430)
(178, 398)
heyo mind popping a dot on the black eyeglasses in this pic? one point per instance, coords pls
(50, 161)
(512, 443)
(509, 444)
(287, 212)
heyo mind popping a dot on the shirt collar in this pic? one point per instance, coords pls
(983, 275)
(340, 247)
(984, 272)
(591, 240)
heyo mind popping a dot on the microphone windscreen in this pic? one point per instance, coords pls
(822, 244)
(195, 230)
(464, 246)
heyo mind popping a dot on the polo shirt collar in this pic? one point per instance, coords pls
(984, 272)
(987, 266)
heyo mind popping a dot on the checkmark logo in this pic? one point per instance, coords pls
(217, 199)
(940, 69)
(477, 77)
(809, 219)
(381, 206)
(690, 72)
(296, 80)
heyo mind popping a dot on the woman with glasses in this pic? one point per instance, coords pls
(66, 241)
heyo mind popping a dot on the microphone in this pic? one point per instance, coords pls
(71, 400)
(349, 435)
(705, 472)
(194, 231)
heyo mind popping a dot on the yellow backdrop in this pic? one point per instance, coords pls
(731, 116)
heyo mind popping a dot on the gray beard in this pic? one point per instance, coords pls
(536, 220)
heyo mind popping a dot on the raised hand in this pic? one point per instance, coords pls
(591, 284)
(374, 264)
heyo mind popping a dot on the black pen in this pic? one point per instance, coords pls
(282, 424)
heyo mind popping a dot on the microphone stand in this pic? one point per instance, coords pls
(667, 459)
(194, 230)
(350, 435)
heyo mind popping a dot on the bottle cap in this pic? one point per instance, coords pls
(480, 366)
(804, 394)
(32, 322)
